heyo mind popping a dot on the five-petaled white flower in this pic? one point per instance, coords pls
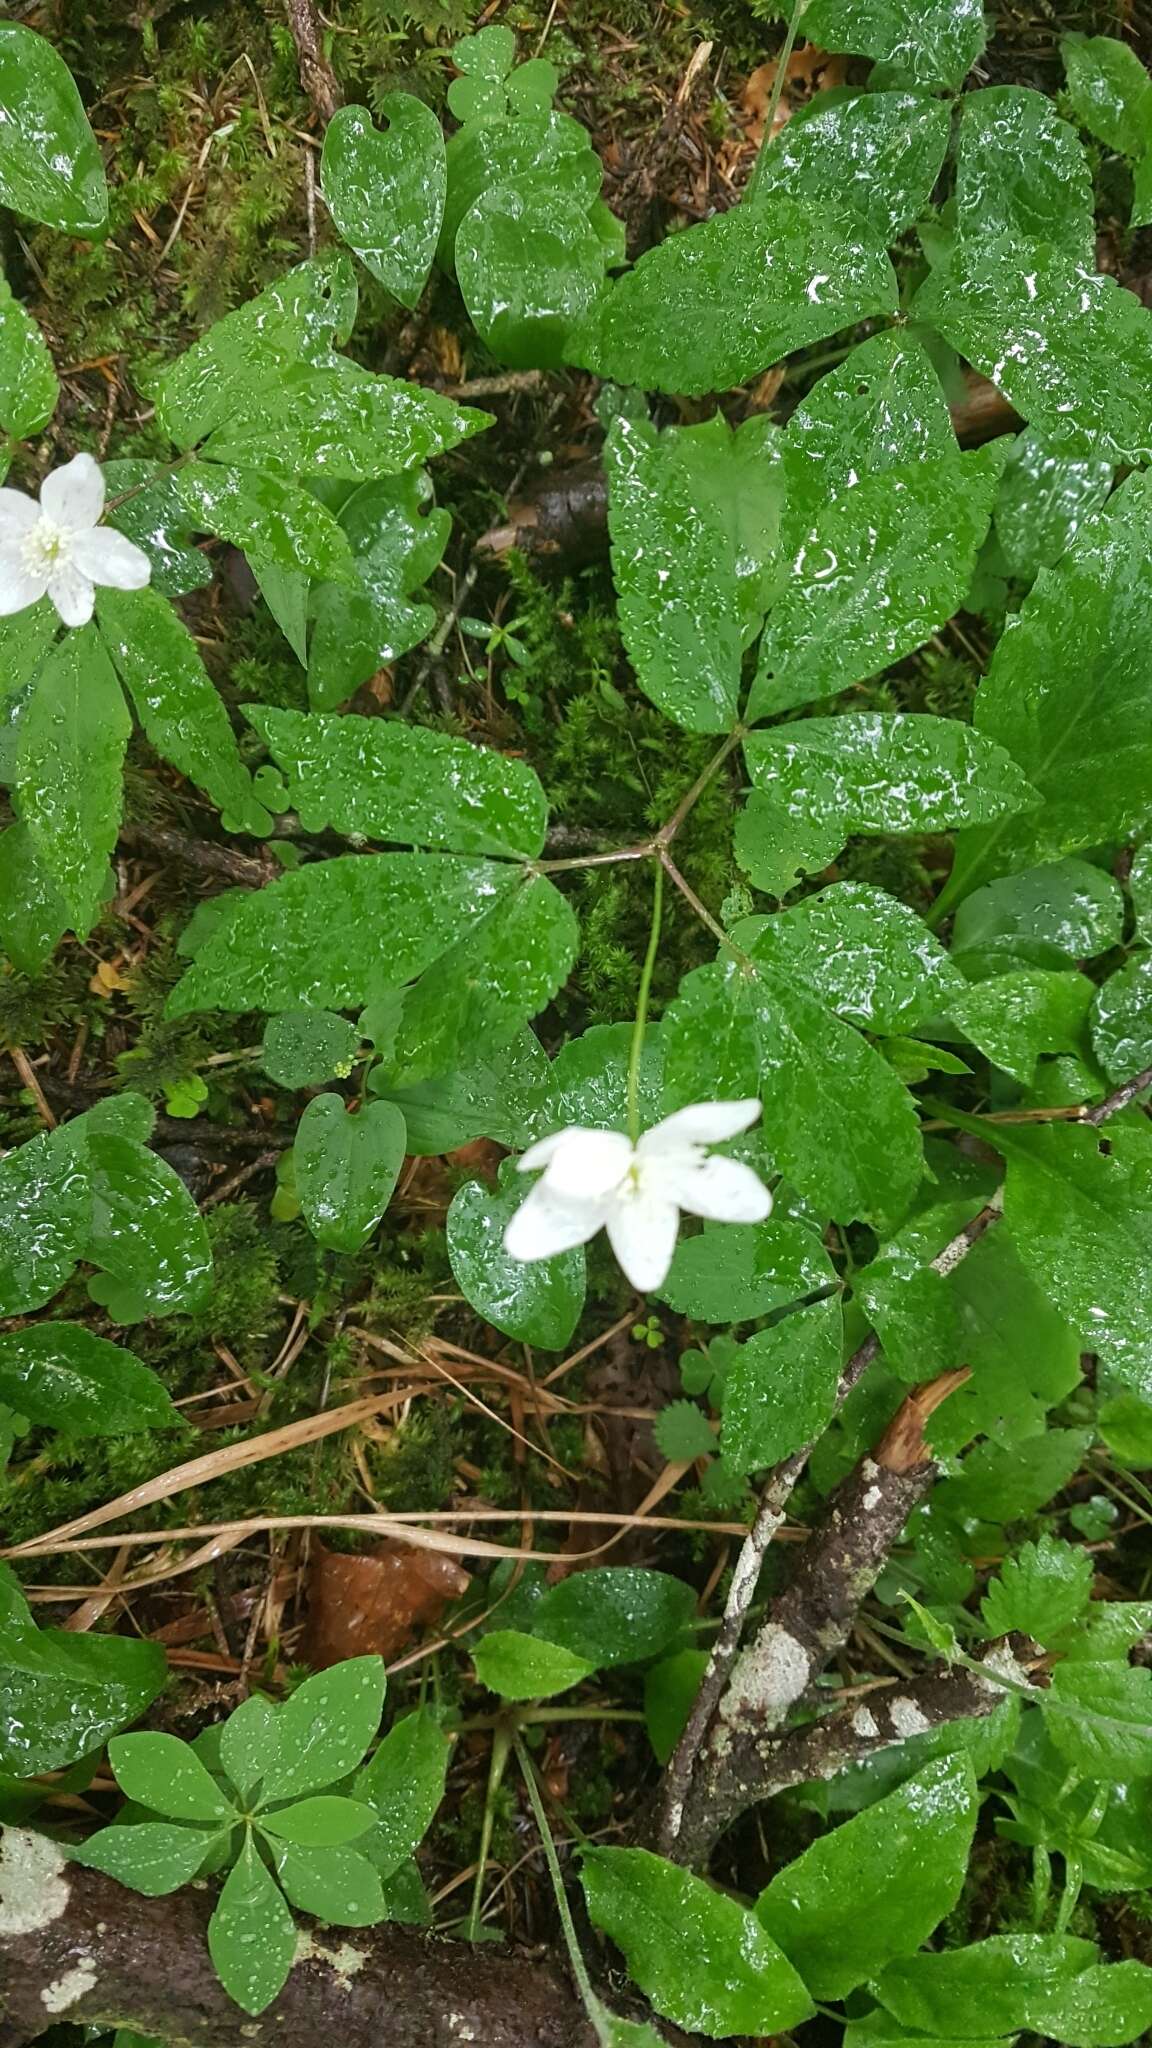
(599, 1179)
(59, 548)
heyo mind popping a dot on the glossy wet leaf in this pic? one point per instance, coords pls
(670, 1689)
(330, 935)
(1099, 1716)
(500, 1093)
(298, 319)
(987, 1988)
(152, 1857)
(51, 169)
(62, 1376)
(378, 779)
(249, 1740)
(161, 1772)
(702, 1958)
(879, 152)
(882, 408)
(781, 1388)
(485, 988)
(774, 848)
(1001, 1482)
(1122, 1020)
(385, 191)
(863, 953)
(25, 640)
(1016, 1017)
(843, 1127)
(146, 1234)
(537, 1302)
(176, 702)
(404, 1783)
(540, 152)
(347, 1164)
(1071, 350)
(724, 299)
(29, 388)
(1110, 91)
(1048, 916)
(1069, 694)
(251, 1935)
(881, 569)
(65, 1693)
(733, 1272)
(45, 1207)
(694, 514)
(614, 1614)
(1045, 496)
(33, 914)
(1042, 1590)
(1020, 170)
(530, 265)
(520, 1667)
(339, 1885)
(69, 759)
(907, 1856)
(360, 626)
(921, 42)
(325, 1822)
(590, 1081)
(266, 516)
(1140, 890)
(305, 1048)
(339, 420)
(324, 1728)
(152, 516)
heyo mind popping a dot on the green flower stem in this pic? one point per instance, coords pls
(753, 184)
(645, 989)
(501, 1745)
(592, 2005)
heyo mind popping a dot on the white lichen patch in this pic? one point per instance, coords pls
(906, 1717)
(769, 1678)
(864, 1723)
(344, 1960)
(871, 1497)
(68, 1990)
(1001, 1661)
(460, 2028)
(33, 1886)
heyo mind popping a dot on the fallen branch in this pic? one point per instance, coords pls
(316, 74)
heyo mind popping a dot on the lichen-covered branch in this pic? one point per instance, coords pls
(316, 74)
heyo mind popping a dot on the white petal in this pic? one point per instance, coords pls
(642, 1230)
(72, 593)
(581, 1165)
(704, 1123)
(723, 1190)
(18, 514)
(543, 1226)
(19, 587)
(74, 496)
(110, 557)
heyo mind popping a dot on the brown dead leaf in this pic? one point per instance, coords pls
(810, 70)
(373, 1604)
(109, 980)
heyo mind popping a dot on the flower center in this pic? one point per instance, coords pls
(47, 547)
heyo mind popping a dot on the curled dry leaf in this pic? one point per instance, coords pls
(374, 1603)
(810, 70)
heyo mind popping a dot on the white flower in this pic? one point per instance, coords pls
(58, 547)
(599, 1179)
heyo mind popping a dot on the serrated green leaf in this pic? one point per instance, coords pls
(386, 192)
(25, 640)
(617, 1614)
(1046, 493)
(347, 1164)
(150, 514)
(590, 1081)
(404, 1783)
(1140, 890)
(29, 388)
(1013, 1018)
(907, 1856)
(879, 152)
(162, 1773)
(332, 935)
(1122, 1020)
(500, 1094)
(775, 849)
(881, 569)
(359, 627)
(325, 1726)
(1100, 1718)
(339, 1885)
(702, 1958)
(1002, 1482)
(841, 1126)
(1024, 1357)
(33, 914)
(325, 1822)
(153, 1857)
(297, 319)
(1110, 91)
(733, 1272)
(922, 42)
(538, 1302)
(338, 420)
(1020, 170)
(251, 1935)
(721, 301)
(984, 1989)
(913, 1311)
(305, 1048)
(65, 1693)
(694, 515)
(1071, 350)
(1042, 1590)
(45, 1209)
(286, 592)
(781, 1388)
(683, 1433)
(1049, 916)
(530, 265)
(520, 1667)
(377, 778)
(62, 1376)
(70, 750)
(267, 516)
(146, 1234)
(159, 664)
(867, 956)
(51, 169)
(882, 408)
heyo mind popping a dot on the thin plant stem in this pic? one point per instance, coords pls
(760, 164)
(691, 797)
(642, 996)
(592, 2005)
(501, 1744)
